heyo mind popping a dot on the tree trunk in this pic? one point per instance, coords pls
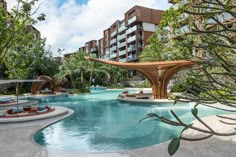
(90, 79)
(82, 77)
(72, 81)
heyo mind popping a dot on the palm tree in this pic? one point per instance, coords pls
(81, 62)
(68, 68)
(94, 69)
(117, 73)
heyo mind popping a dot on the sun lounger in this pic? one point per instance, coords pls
(130, 95)
(142, 97)
(30, 109)
(6, 100)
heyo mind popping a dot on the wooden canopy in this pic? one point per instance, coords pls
(37, 86)
(158, 73)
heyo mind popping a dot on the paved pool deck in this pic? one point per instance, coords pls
(16, 141)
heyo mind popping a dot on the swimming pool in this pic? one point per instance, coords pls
(100, 123)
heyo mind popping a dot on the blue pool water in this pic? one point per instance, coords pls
(100, 123)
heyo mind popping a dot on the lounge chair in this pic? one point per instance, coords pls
(142, 97)
(130, 95)
(6, 100)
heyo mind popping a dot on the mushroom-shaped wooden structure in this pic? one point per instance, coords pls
(158, 73)
(37, 86)
(60, 84)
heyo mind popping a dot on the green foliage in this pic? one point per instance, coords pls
(20, 43)
(145, 84)
(46, 65)
(179, 87)
(157, 50)
(223, 93)
(76, 67)
(68, 68)
(173, 146)
(117, 75)
(169, 18)
(115, 86)
(194, 111)
(74, 91)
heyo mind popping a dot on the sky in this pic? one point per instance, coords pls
(70, 24)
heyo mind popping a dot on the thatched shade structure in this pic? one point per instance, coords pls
(158, 73)
(61, 84)
(37, 86)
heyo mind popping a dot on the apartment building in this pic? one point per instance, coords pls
(36, 33)
(129, 36)
(82, 49)
(140, 23)
(101, 47)
(125, 39)
(113, 41)
(91, 47)
(106, 43)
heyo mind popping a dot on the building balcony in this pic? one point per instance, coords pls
(140, 37)
(113, 41)
(113, 55)
(131, 57)
(131, 48)
(113, 33)
(122, 60)
(131, 29)
(94, 49)
(107, 51)
(113, 48)
(181, 31)
(101, 57)
(130, 39)
(120, 37)
(140, 46)
(121, 29)
(107, 57)
(123, 52)
(120, 45)
(131, 20)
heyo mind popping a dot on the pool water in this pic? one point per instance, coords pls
(100, 123)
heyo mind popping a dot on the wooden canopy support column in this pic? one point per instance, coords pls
(158, 73)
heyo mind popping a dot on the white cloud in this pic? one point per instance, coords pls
(71, 25)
